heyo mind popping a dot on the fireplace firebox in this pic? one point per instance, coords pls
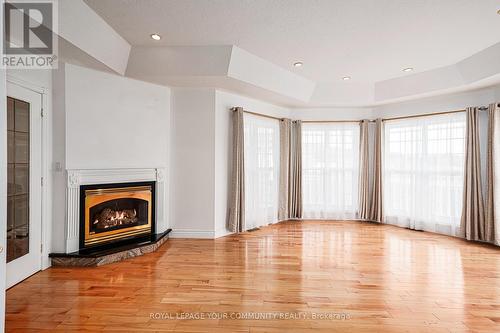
(114, 214)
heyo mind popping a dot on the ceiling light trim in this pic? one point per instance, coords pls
(155, 37)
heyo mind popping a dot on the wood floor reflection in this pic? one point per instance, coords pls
(382, 278)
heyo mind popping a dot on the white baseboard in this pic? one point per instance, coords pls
(46, 262)
(192, 233)
(222, 233)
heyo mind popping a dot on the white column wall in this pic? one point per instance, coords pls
(192, 188)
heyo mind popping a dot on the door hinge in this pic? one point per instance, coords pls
(41, 181)
(41, 248)
(41, 113)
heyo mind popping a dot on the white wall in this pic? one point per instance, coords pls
(193, 182)
(497, 94)
(114, 122)
(223, 147)
(58, 162)
(332, 113)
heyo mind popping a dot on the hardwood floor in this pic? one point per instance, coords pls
(367, 277)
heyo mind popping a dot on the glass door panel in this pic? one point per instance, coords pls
(24, 187)
(18, 142)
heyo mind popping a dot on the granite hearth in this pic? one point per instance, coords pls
(88, 258)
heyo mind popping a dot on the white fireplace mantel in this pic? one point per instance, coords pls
(109, 176)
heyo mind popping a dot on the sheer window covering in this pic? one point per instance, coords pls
(262, 154)
(423, 172)
(330, 163)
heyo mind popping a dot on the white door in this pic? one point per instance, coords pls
(3, 188)
(24, 200)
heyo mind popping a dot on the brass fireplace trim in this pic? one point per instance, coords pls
(97, 196)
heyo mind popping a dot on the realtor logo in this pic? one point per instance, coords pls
(30, 39)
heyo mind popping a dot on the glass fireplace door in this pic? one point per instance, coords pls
(23, 183)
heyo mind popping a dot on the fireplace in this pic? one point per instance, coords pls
(115, 214)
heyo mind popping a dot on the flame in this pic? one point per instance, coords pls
(116, 218)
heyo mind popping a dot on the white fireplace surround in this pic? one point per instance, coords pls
(109, 176)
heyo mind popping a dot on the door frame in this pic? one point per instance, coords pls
(46, 152)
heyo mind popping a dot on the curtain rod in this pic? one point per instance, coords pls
(331, 121)
(385, 119)
(423, 115)
(259, 114)
(481, 108)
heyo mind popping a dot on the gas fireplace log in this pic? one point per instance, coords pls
(110, 218)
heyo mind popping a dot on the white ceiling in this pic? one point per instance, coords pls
(366, 39)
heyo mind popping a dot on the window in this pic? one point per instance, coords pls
(262, 154)
(423, 172)
(330, 162)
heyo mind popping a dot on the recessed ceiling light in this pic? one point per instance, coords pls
(346, 78)
(155, 36)
(298, 64)
(407, 69)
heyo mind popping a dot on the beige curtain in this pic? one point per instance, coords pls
(285, 164)
(236, 221)
(472, 226)
(492, 220)
(376, 209)
(295, 186)
(363, 178)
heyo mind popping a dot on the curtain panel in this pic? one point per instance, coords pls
(236, 219)
(295, 209)
(376, 204)
(364, 174)
(285, 166)
(493, 176)
(472, 226)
